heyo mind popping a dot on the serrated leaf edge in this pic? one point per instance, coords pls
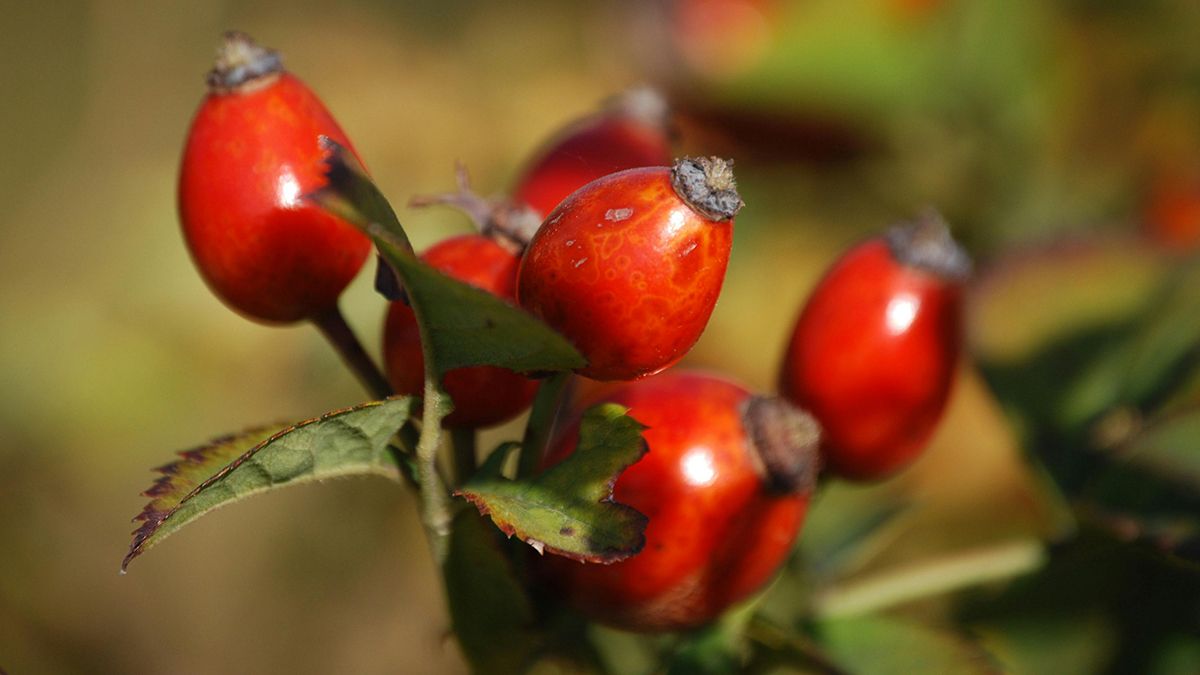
(153, 519)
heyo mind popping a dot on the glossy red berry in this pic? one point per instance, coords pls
(251, 156)
(633, 131)
(1171, 216)
(482, 395)
(629, 267)
(873, 353)
(725, 485)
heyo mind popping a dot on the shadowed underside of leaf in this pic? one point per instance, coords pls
(464, 325)
(569, 510)
(493, 617)
(346, 442)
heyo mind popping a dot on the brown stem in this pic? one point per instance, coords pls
(333, 326)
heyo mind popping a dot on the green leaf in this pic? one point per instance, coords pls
(346, 442)
(492, 615)
(1159, 350)
(568, 509)
(1170, 448)
(882, 646)
(463, 326)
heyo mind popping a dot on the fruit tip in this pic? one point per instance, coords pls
(707, 184)
(241, 64)
(926, 243)
(785, 439)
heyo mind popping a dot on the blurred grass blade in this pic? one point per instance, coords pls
(464, 325)
(569, 510)
(929, 578)
(346, 442)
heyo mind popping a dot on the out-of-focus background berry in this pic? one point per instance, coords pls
(1024, 121)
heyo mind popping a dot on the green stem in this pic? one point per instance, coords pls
(463, 441)
(546, 406)
(435, 502)
(333, 326)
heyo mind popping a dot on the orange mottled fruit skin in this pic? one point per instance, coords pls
(715, 535)
(483, 395)
(872, 357)
(590, 149)
(250, 157)
(627, 271)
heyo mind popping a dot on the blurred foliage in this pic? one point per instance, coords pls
(1045, 131)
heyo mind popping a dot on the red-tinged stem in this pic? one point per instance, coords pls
(333, 326)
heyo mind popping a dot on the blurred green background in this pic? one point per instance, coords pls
(1025, 121)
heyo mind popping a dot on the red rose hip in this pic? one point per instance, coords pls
(632, 131)
(873, 353)
(251, 156)
(726, 485)
(629, 267)
(482, 395)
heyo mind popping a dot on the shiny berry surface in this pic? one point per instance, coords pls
(716, 532)
(632, 132)
(250, 157)
(482, 395)
(873, 356)
(629, 271)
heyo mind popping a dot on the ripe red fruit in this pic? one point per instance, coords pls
(874, 350)
(251, 156)
(629, 267)
(633, 131)
(726, 485)
(482, 395)
(1172, 212)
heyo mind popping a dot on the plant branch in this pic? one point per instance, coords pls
(546, 406)
(333, 326)
(930, 578)
(435, 502)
